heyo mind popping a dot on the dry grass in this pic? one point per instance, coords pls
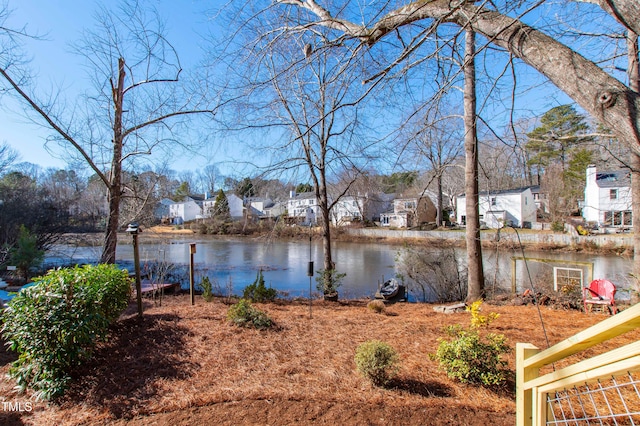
(185, 364)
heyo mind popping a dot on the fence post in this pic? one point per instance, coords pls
(524, 398)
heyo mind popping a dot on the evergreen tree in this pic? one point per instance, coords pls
(559, 144)
(557, 139)
(26, 254)
(221, 207)
(182, 191)
(245, 188)
(303, 187)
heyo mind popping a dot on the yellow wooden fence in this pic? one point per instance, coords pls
(536, 395)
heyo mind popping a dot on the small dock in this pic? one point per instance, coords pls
(149, 288)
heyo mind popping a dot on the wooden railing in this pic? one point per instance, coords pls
(537, 401)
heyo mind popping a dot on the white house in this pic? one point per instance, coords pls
(303, 208)
(514, 206)
(236, 206)
(162, 209)
(276, 210)
(607, 198)
(353, 208)
(184, 211)
(409, 212)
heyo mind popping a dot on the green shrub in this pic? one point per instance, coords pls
(471, 357)
(258, 292)
(55, 324)
(243, 314)
(377, 361)
(207, 289)
(329, 280)
(377, 306)
(26, 254)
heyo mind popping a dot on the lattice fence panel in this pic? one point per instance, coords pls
(614, 401)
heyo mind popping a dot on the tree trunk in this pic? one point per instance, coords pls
(475, 288)
(634, 84)
(439, 220)
(326, 228)
(115, 176)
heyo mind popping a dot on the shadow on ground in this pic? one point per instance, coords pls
(428, 389)
(123, 374)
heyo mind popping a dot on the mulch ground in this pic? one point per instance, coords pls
(186, 365)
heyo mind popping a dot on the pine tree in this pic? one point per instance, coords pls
(221, 207)
(557, 139)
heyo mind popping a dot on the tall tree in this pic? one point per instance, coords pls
(308, 98)
(475, 289)
(137, 104)
(221, 209)
(559, 137)
(439, 143)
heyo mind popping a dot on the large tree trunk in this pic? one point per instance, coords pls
(475, 289)
(115, 176)
(323, 201)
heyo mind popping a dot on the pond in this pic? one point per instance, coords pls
(235, 262)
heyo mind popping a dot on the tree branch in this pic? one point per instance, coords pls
(54, 125)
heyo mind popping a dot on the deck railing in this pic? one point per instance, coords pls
(604, 389)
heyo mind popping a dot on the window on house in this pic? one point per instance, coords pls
(617, 218)
(608, 218)
(628, 218)
(409, 205)
(463, 219)
(493, 201)
(613, 194)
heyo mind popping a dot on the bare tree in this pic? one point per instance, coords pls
(8, 157)
(439, 142)
(305, 99)
(137, 106)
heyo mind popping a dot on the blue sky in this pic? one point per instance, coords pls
(60, 22)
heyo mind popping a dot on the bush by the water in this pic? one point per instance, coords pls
(207, 289)
(377, 361)
(258, 292)
(244, 314)
(377, 306)
(55, 324)
(471, 357)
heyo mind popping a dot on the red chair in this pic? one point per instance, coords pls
(600, 293)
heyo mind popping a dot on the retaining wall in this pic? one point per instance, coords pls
(508, 234)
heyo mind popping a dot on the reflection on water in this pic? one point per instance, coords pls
(366, 264)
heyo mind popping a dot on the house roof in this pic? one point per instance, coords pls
(304, 196)
(613, 179)
(501, 191)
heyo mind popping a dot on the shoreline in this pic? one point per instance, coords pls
(607, 244)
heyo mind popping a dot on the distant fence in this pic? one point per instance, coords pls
(606, 240)
(604, 389)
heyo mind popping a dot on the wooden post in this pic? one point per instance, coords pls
(524, 398)
(136, 263)
(192, 251)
